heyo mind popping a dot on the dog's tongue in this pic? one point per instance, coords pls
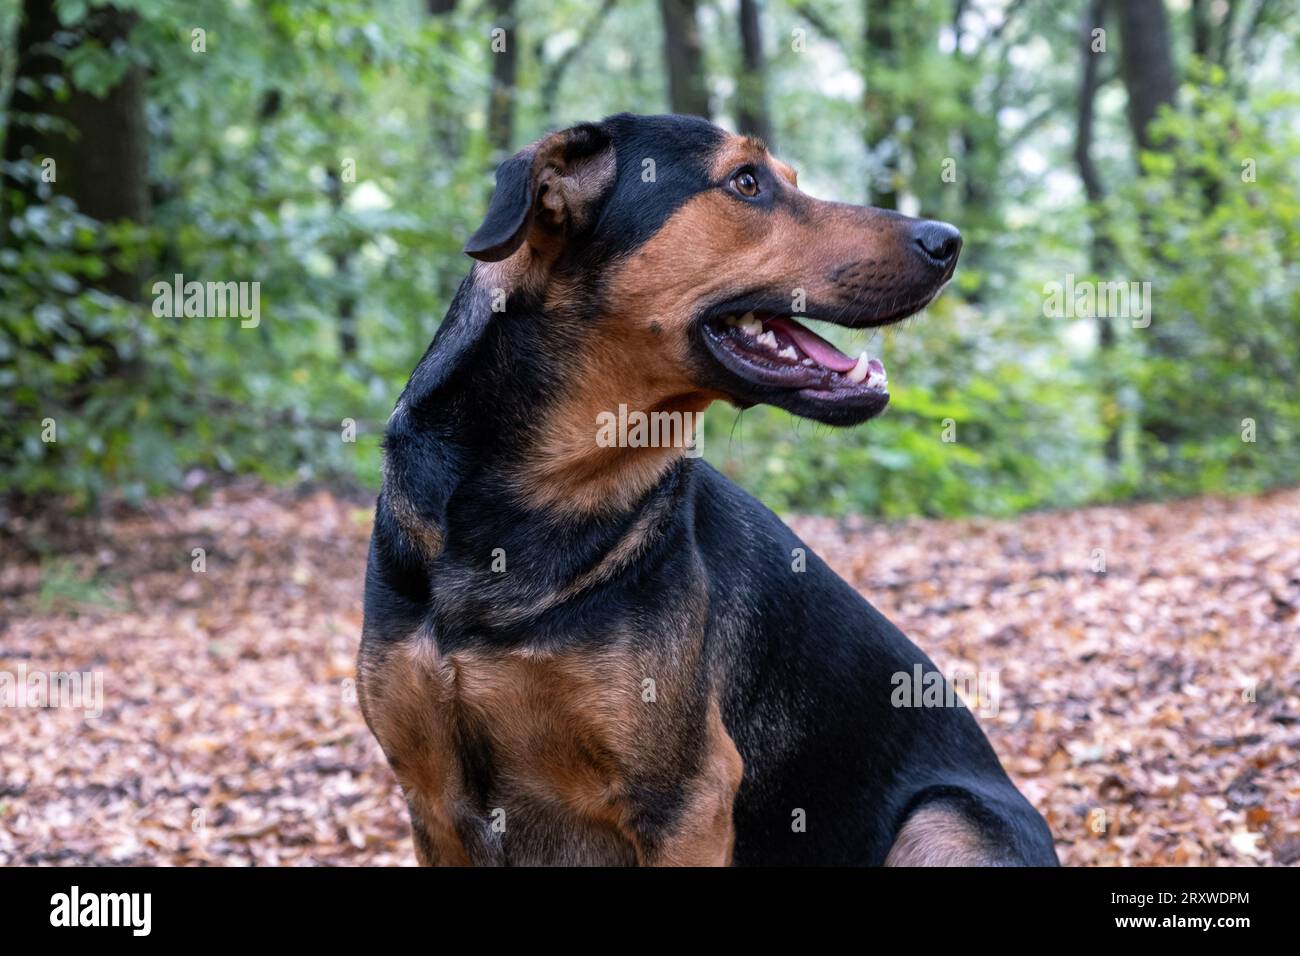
(813, 345)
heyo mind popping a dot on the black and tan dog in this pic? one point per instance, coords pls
(579, 653)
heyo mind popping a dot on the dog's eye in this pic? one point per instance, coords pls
(745, 184)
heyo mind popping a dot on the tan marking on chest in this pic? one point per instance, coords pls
(408, 704)
(567, 736)
(562, 728)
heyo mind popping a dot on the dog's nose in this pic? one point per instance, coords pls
(938, 242)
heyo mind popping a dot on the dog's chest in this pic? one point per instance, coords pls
(531, 757)
(553, 726)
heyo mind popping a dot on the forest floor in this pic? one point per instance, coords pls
(1150, 712)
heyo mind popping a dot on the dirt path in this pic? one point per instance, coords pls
(1151, 712)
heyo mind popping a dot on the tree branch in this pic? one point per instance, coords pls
(818, 23)
(554, 74)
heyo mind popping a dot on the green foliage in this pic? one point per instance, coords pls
(1222, 251)
(254, 140)
(139, 400)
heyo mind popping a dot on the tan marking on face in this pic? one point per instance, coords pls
(642, 365)
(638, 352)
(938, 836)
(786, 172)
(737, 151)
(734, 152)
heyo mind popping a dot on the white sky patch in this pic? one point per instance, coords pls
(558, 42)
(1031, 160)
(1012, 117)
(366, 196)
(318, 264)
(1062, 187)
(1035, 54)
(384, 247)
(843, 84)
(1080, 336)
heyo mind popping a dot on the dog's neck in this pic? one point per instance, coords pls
(497, 443)
(600, 451)
(568, 429)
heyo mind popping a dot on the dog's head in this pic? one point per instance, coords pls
(691, 260)
(648, 264)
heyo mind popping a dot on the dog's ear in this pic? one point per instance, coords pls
(549, 190)
(545, 194)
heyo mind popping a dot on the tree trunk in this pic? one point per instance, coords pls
(1224, 55)
(1147, 64)
(505, 68)
(980, 138)
(1202, 31)
(342, 258)
(688, 91)
(878, 103)
(445, 122)
(99, 145)
(751, 92)
(553, 75)
(1101, 252)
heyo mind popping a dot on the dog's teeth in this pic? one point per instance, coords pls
(788, 352)
(859, 372)
(809, 362)
(729, 319)
(877, 380)
(750, 325)
(768, 339)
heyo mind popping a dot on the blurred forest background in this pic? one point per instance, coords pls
(339, 152)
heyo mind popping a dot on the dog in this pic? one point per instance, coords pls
(587, 653)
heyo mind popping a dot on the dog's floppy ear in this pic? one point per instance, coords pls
(549, 189)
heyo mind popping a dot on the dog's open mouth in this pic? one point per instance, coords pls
(778, 351)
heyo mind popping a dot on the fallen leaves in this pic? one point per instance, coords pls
(1151, 711)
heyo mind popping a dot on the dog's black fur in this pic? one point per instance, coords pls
(800, 666)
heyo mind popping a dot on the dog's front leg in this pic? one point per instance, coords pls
(704, 833)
